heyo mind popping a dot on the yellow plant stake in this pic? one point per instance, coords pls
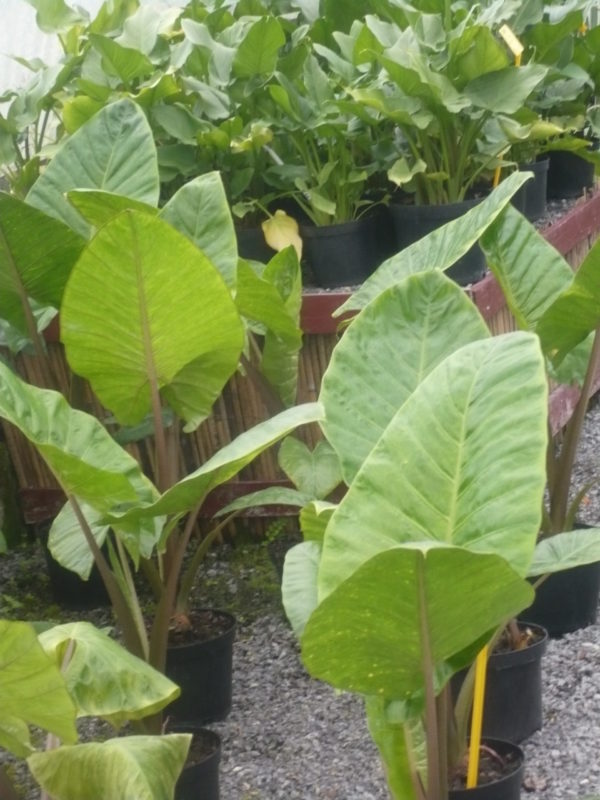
(516, 48)
(477, 720)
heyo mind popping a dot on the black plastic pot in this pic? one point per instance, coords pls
(568, 174)
(200, 777)
(513, 691)
(347, 253)
(203, 670)
(252, 245)
(68, 589)
(534, 191)
(566, 601)
(507, 788)
(411, 223)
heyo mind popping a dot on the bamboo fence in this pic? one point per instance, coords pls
(240, 406)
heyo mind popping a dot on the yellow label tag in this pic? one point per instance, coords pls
(512, 42)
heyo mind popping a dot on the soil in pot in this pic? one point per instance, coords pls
(412, 222)
(566, 601)
(513, 691)
(568, 174)
(347, 253)
(199, 779)
(500, 774)
(200, 661)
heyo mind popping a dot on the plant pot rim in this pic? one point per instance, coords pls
(503, 746)
(533, 651)
(211, 737)
(337, 228)
(437, 210)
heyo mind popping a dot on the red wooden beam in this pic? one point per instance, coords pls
(39, 505)
(579, 223)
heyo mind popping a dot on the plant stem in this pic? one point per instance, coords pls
(434, 766)
(7, 790)
(166, 605)
(187, 580)
(152, 575)
(40, 141)
(117, 598)
(559, 491)
(134, 603)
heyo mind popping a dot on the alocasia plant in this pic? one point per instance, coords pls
(73, 671)
(413, 449)
(151, 322)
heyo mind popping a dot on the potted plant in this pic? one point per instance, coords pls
(81, 672)
(324, 159)
(558, 36)
(375, 593)
(439, 97)
(418, 338)
(184, 370)
(396, 469)
(552, 308)
(569, 339)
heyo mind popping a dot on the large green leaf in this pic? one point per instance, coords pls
(299, 584)
(505, 91)
(273, 300)
(258, 300)
(114, 151)
(144, 305)
(103, 678)
(385, 353)
(79, 451)
(271, 496)
(37, 253)
(314, 518)
(192, 490)
(531, 273)
(98, 207)
(69, 546)
(566, 550)
(366, 636)
(32, 690)
(396, 748)
(410, 70)
(315, 473)
(142, 29)
(439, 249)
(576, 312)
(258, 52)
(461, 462)
(66, 540)
(124, 62)
(140, 767)
(200, 210)
(55, 16)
